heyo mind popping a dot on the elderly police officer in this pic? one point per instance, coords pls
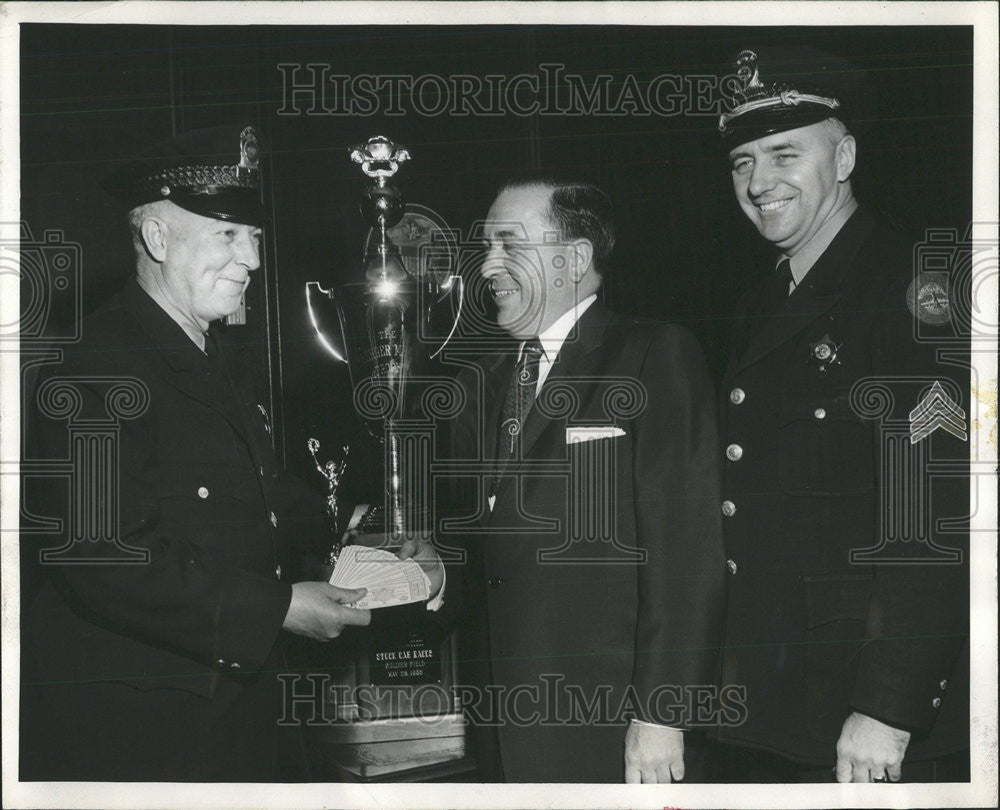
(848, 631)
(156, 660)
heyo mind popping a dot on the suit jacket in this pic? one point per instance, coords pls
(819, 464)
(599, 572)
(181, 649)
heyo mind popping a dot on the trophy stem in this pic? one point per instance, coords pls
(395, 485)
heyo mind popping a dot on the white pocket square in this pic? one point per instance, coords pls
(587, 434)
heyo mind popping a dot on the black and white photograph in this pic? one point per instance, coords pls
(504, 404)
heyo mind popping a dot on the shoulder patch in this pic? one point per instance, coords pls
(928, 298)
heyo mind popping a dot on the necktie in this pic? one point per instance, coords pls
(778, 286)
(212, 347)
(775, 293)
(216, 357)
(785, 277)
(517, 404)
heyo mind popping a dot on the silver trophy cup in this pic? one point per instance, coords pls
(388, 327)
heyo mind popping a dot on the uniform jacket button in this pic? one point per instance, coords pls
(494, 581)
(234, 665)
(277, 572)
(820, 413)
(936, 703)
(202, 492)
(274, 520)
(943, 685)
(728, 508)
(737, 395)
(734, 452)
(731, 565)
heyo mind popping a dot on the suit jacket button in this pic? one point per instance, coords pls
(936, 703)
(274, 520)
(737, 395)
(734, 452)
(494, 581)
(202, 492)
(820, 413)
(943, 685)
(728, 508)
(731, 565)
(277, 572)
(234, 665)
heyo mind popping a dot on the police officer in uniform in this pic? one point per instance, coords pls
(847, 623)
(156, 660)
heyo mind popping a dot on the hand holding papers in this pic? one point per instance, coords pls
(389, 580)
(423, 552)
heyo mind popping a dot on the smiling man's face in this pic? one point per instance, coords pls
(527, 264)
(790, 183)
(207, 265)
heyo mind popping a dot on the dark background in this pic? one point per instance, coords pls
(91, 95)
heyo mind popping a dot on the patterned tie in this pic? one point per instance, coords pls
(517, 405)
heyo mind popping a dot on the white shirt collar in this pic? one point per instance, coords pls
(553, 338)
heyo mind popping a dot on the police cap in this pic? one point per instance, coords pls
(775, 89)
(212, 172)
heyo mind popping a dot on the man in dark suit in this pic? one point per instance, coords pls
(596, 545)
(847, 618)
(151, 654)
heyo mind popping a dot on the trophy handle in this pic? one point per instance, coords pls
(448, 286)
(315, 323)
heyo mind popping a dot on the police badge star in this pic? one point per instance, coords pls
(824, 352)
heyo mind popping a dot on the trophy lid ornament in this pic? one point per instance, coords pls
(382, 205)
(380, 157)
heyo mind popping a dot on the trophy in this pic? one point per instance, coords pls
(388, 327)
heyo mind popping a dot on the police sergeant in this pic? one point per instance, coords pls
(848, 632)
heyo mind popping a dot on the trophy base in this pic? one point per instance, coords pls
(400, 749)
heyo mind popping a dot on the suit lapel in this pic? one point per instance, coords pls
(823, 286)
(585, 337)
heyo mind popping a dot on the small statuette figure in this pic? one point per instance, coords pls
(332, 472)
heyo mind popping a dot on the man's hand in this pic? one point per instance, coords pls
(653, 754)
(426, 555)
(869, 750)
(318, 610)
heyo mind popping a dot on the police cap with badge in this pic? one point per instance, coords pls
(771, 89)
(211, 172)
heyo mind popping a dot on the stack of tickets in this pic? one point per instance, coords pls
(388, 579)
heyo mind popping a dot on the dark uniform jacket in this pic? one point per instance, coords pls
(600, 570)
(163, 669)
(818, 463)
